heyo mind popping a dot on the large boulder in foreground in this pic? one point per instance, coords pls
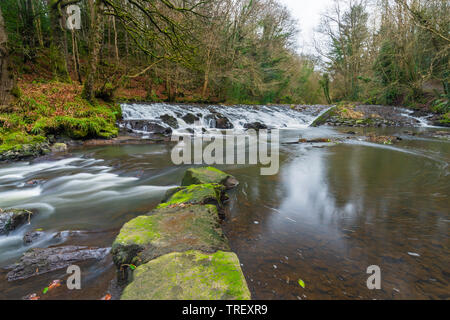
(208, 175)
(11, 219)
(210, 193)
(190, 275)
(38, 260)
(171, 229)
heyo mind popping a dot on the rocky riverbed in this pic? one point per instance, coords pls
(178, 250)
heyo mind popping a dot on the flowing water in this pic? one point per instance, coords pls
(330, 212)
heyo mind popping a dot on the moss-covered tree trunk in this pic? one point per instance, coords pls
(95, 36)
(6, 79)
(58, 45)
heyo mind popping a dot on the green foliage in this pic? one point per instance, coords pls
(442, 105)
(75, 128)
(445, 120)
(37, 115)
(10, 140)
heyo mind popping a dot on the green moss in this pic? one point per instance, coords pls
(16, 140)
(204, 175)
(196, 194)
(47, 111)
(76, 128)
(324, 117)
(140, 231)
(190, 275)
(168, 230)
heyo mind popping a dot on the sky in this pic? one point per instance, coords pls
(307, 12)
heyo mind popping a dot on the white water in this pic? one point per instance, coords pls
(278, 117)
(422, 121)
(70, 193)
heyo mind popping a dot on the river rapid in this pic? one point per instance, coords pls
(333, 209)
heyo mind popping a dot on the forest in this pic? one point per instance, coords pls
(386, 52)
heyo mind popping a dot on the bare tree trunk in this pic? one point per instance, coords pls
(115, 40)
(6, 80)
(76, 65)
(58, 45)
(206, 78)
(95, 38)
(37, 24)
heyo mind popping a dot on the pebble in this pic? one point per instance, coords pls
(414, 254)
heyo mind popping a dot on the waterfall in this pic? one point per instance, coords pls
(181, 118)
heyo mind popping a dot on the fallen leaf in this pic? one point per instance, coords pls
(32, 296)
(106, 297)
(54, 284)
(301, 283)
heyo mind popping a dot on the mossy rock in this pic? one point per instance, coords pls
(324, 117)
(171, 229)
(190, 275)
(210, 193)
(208, 175)
(59, 147)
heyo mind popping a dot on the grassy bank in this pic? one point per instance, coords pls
(48, 108)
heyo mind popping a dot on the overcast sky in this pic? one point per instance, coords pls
(307, 12)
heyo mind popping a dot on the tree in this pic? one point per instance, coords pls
(345, 47)
(6, 79)
(58, 44)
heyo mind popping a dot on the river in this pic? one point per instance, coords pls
(331, 211)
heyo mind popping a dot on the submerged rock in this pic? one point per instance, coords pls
(38, 261)
(11, 219)
(315, 140)
(169, 120)
(208, 175)
(168, 230)
(255, 126)
(34, 182)
(190, 275)
(146, 126)
(194, 194)
(382, 139)
(32, 236)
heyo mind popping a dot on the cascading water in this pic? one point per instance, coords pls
(75, 190)
(194, 118)
(421, 121)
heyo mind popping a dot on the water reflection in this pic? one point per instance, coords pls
(333, 212)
